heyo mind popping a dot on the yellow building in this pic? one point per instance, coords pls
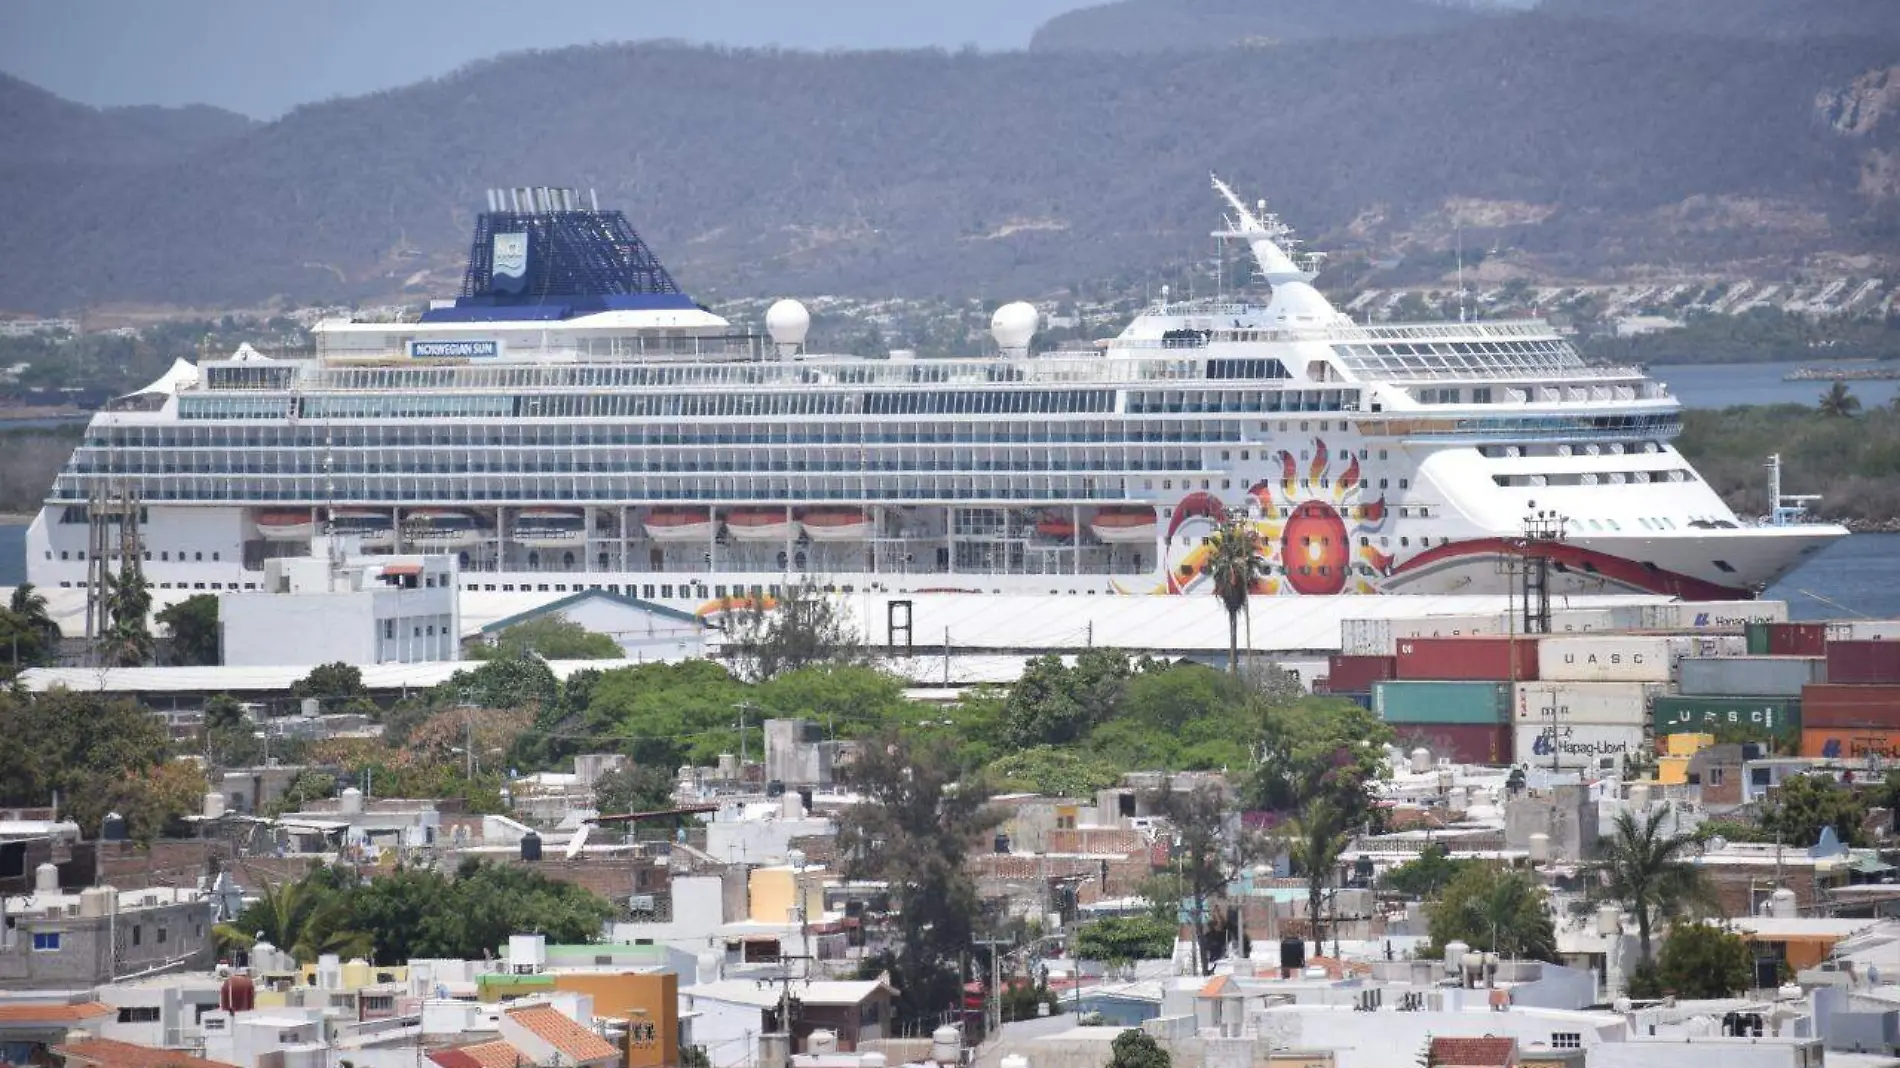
(772, 893)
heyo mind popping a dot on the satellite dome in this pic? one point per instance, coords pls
(1013, 325)
(788, 322)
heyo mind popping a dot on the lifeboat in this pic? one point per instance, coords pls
(838, 524)
(440, 528)
(284, 526)
(1055, 527)
(765, 524)
(679, 524)
(550, 526)
(369, 526)
(1133, 525)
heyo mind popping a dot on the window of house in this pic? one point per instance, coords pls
(139, 1014)
(138, 934)
(1566, 1040)
(45, 941)
(389, 630)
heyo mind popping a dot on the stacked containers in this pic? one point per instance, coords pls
(1745, 698)
(1453, 695)
(1353, 675)
(1730, 718)
(1856, 714)
(1466, 722)
(1591, 700)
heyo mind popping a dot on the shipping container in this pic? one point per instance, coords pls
(1732, 718)
(1460, 743)
(1749, 676)
(1469, 659)
(1873, 660)
(1727, 615)
(1380, 637)
(1442, 702)
(1797, 639)
(1864, 629)
(1835, 705)
(1604, 658)
(1618, 703)
(1845, 743)
(1578, 746)
(1757, 636)
(1356, 674)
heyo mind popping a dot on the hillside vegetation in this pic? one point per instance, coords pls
(1574, 145)
(1853, 461)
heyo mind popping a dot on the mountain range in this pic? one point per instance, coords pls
(1576, 146)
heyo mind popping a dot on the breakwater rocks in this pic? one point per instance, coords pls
(1890, 525)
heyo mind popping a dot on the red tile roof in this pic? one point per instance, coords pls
(481, 1055)
(1487, 1052)
(111, 1053)
(1216, 987)
(575, 1042)
(35, 1012)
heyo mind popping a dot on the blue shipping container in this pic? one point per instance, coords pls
(1442, 702)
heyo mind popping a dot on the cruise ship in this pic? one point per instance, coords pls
(573, 420)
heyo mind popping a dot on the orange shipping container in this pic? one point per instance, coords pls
(1843, 743)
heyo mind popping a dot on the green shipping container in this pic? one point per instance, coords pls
(1442, 702)
(1756, 634)
(1775, 717)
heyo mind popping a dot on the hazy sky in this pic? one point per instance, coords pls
(263, 57)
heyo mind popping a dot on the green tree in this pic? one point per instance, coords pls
(913, 829)
(309, 785)
(1646, 870)
(1054, 704)
(192, 626)
(1838, 402)
(510, 682)
(334, 684)
(97, 754)
(1320, 747)
(1233, 564)
(306, 919)
(1804, 804)
(1494, 909)
(1701, 960)
(1314, 842)
(802, 628)
(847, 699)
(1052, 772)
(1119, 940)
(1426, 874)
(550, 637)
(223, 712)
(28, 633)
(1135, 1048)
(1197, 820)
(640, 788)
(127, 640)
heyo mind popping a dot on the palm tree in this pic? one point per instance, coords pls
(127, 641)
(1314, 843)
(301, 918)
(1233, 562)
(1512, 912)
(1647, 871)
(29, 606)
(1839, 400)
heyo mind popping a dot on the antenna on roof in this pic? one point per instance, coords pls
(1461, 270)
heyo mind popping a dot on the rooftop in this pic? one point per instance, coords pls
(111, 1053)
(550, 1025)
(496, 1054)
(52, 1011)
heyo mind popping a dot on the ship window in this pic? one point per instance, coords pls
(1723, 566)
(1405, 483)
(1381, 454)
(1382, 483)
(1405, 541)
(64, 555)
(1243, 454)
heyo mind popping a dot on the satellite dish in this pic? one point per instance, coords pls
(580, 839)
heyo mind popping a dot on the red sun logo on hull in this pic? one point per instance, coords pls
(1316, 550)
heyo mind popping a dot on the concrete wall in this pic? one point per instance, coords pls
(93, 949)
(698, 911)
(1565, 813)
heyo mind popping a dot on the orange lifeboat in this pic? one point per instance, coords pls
(837, 524)
(1055, 527)
(679, 524)
(1129, 525)
(285, 526)
(764, 524)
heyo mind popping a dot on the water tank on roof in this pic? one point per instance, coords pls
(1292, 955)
(1540, 848)
(46, 879)
(1421, 760)
(878, 1060)
(1455, 952)
(237, 994)
(96, 902)
(822, 1043)
(214, 804)
(531, 847)
(350, 802)
(113, 830)
(775, 788)
(1782, 905)
(946, 1045)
